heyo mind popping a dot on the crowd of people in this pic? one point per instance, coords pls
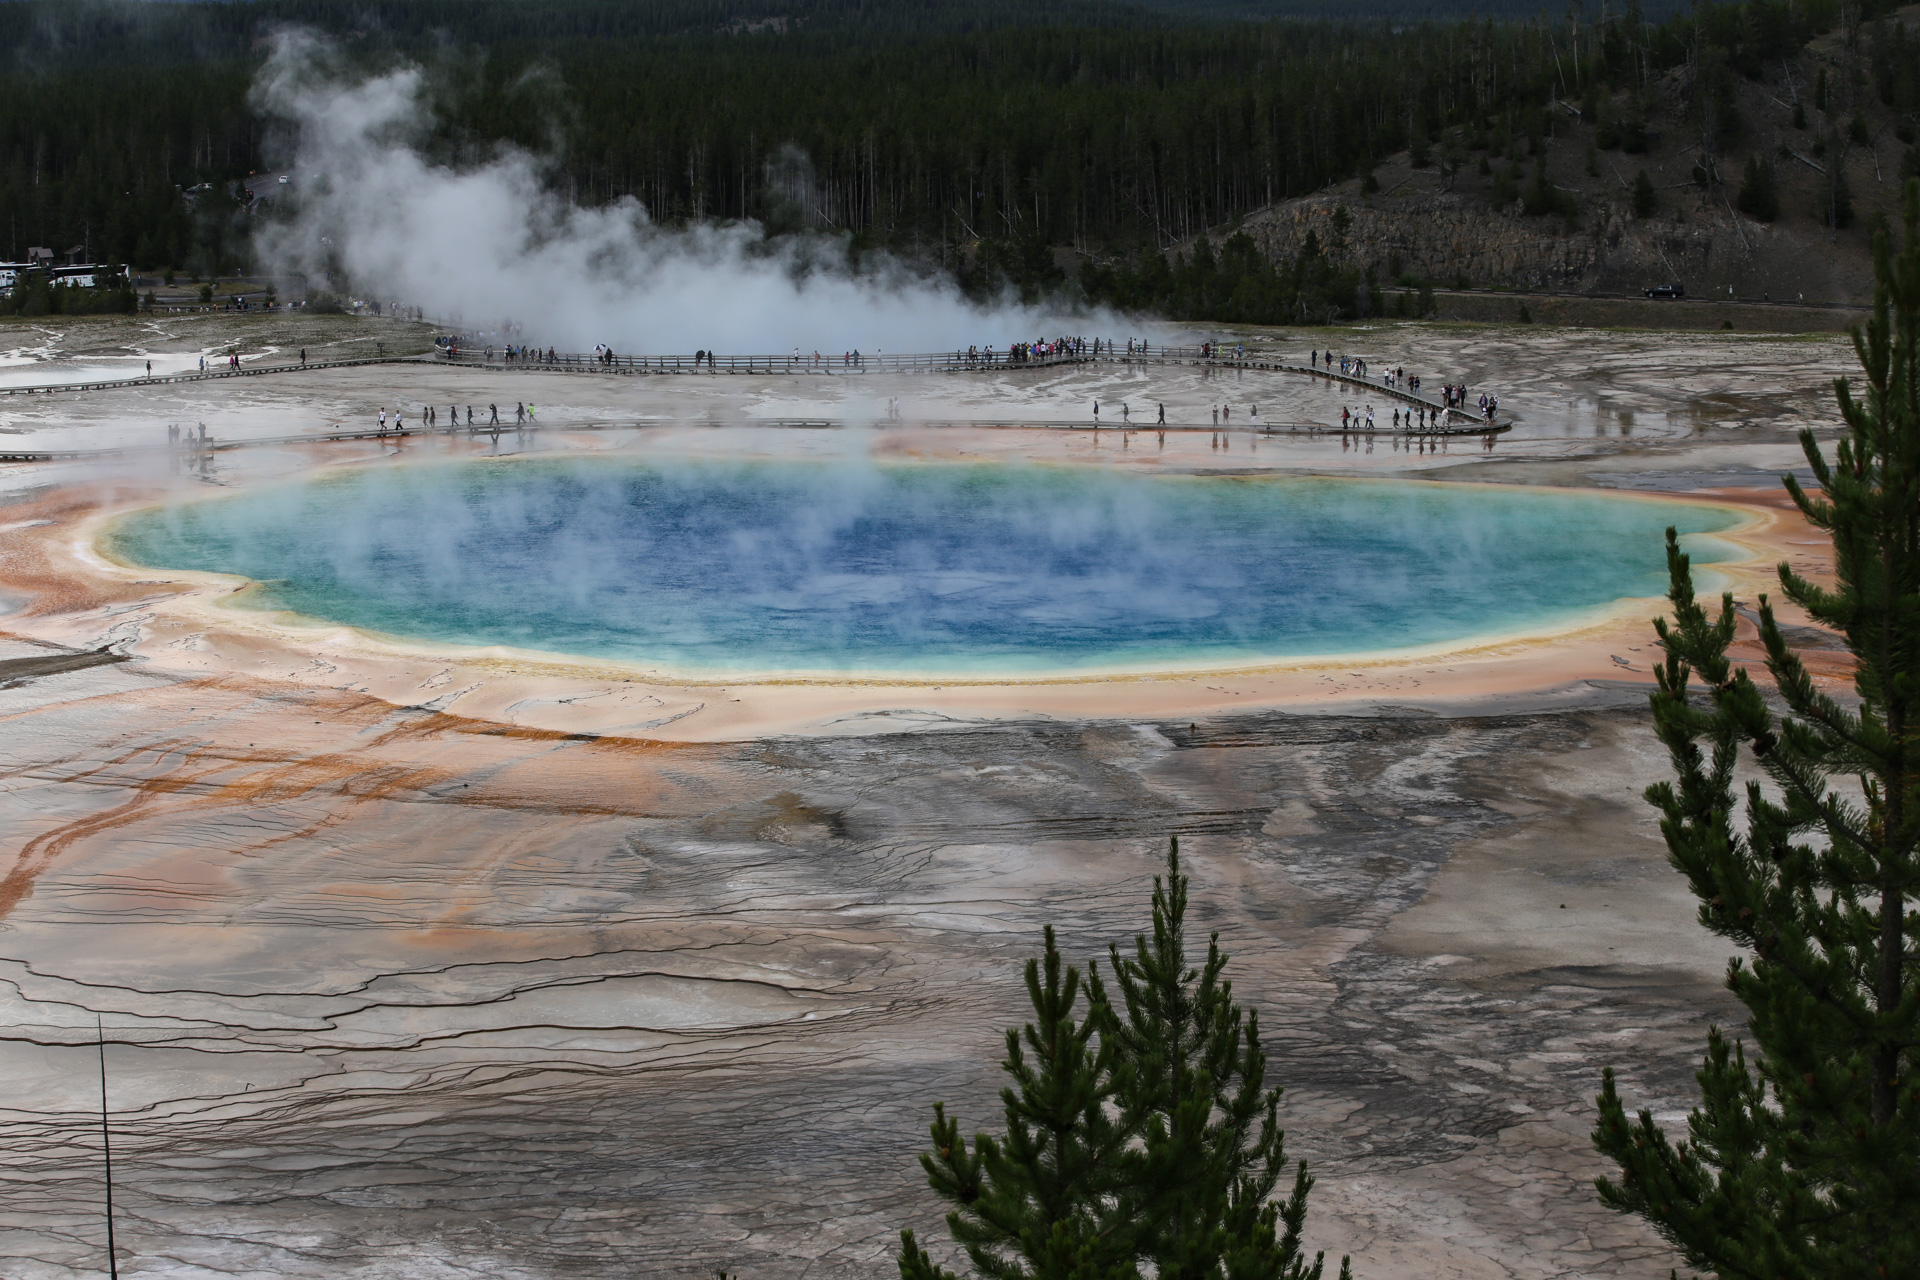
(524, 418)
(1417, 422)
(1453, 395)
(1023, 352)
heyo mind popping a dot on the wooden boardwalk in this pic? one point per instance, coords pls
(1443, 422)
(194, 447)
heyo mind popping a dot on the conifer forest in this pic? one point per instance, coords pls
(987, 140)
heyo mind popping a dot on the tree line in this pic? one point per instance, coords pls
(1103, 128)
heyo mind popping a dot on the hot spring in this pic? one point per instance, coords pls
(849, 566)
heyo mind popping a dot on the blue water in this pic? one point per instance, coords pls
(845, 566)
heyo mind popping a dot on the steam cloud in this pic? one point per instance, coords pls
(492, 242)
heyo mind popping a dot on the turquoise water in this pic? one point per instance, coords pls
(847, 566)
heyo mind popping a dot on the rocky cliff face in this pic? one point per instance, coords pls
(1451, 239)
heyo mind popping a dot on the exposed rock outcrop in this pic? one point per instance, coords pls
(1451, 238)
(1454, 240)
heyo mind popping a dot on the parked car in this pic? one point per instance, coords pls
(1666, 291)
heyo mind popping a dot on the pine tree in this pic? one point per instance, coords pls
(1039, 1203)
(1836, 210)
(1804, 1160)
(1211, 1151)
(1646, 201)
(1541, 196)
(1144, 1134)
(1758, 196)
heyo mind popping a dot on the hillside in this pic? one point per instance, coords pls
(1461, 220)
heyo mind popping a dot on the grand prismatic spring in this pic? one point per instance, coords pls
(591, 850)
(717, 567)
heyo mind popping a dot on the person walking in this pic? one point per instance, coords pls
(1163, 418)
(383, 420)
(494, 421)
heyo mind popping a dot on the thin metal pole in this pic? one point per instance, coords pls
(106, 1150)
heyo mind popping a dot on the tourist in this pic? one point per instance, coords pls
(383, 421)
(1163, 415)
(494, 421)
(1096, 412)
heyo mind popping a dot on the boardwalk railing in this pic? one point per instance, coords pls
(1442, 418)
(948, 362)
(198, 449)
(198, 375)
(805, 363)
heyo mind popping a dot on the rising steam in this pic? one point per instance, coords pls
(492, 242)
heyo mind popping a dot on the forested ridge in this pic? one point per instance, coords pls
(980, 136)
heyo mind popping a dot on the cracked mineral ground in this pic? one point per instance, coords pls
(402, 977)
